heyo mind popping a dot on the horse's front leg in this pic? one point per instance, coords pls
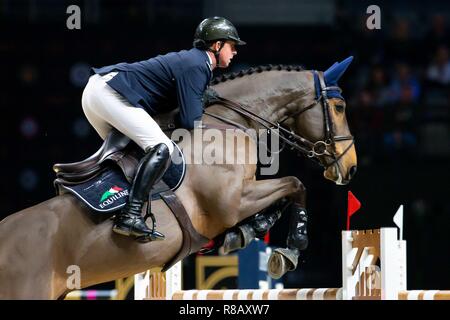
(255, 226)
(270, 195)
(260, 194)
(255, 197)
(283, 260)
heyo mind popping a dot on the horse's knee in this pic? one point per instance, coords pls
(299, 186)
(297, 193)
(295, 184)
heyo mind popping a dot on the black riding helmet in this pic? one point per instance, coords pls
(215, 29)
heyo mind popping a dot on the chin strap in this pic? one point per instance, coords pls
(217, 53)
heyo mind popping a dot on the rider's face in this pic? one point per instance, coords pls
(227, 53)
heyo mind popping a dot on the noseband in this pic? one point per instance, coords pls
(314, 150)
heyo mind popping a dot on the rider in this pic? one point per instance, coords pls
(126, 96)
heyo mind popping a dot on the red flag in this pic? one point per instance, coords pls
(267, 238)
(352, 207)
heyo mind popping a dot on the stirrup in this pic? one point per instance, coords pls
(154, 236)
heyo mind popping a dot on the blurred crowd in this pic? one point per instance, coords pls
(401, 98)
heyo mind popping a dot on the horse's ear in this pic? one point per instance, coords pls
(333, 73)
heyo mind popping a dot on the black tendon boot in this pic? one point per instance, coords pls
(298, 236)
(263, 222)
(151, 168)
(254, 227)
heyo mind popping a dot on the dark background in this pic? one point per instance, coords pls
(397, 92)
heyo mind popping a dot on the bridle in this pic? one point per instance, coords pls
(314, 150)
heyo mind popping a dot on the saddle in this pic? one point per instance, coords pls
(113, 149)
(118, 157)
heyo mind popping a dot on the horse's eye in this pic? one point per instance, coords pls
(340, 108)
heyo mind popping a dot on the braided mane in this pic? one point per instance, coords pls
(258, 69)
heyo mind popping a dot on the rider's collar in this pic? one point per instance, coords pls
(209, 62)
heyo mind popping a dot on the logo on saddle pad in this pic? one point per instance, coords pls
(110, 196)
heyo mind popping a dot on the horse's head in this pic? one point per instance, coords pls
(322, 124)
(306, 107)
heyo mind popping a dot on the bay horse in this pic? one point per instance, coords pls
(38, 244)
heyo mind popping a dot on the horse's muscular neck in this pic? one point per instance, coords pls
(269, 94)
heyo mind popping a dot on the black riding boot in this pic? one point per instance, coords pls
(129, 221)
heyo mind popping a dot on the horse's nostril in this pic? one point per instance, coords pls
(352, 172)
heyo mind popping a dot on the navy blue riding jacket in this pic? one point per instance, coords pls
(160, 84)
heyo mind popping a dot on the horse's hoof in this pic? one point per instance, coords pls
(237, 239)
(232, 242)
(281, 261)
(276, 266)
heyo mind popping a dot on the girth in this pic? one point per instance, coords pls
(192, 240)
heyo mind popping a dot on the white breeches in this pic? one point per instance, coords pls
(106, 108)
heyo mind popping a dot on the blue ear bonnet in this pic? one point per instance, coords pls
(331, 77)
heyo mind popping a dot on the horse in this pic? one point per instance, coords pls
(39, 244)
